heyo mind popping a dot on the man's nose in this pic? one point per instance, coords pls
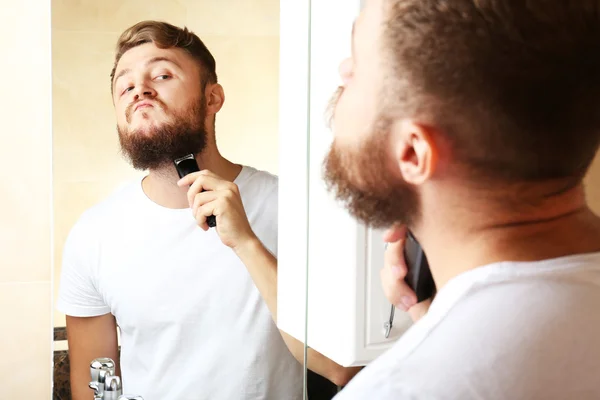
(143, 90)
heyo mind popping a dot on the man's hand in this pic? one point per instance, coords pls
(220, 198)
(393, 273)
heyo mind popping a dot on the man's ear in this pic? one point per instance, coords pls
(215, 97)
(415, 150)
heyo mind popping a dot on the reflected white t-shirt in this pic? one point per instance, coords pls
(507, 331)
(193, 324)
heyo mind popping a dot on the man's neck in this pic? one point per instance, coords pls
(161, 184)
(455, 242)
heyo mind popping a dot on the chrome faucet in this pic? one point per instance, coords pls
(100, 369)
(112, 388)
(106, 385)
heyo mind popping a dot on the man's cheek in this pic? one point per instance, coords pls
(347, 120)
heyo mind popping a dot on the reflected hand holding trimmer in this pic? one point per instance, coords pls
(185, 166)
(418, 276)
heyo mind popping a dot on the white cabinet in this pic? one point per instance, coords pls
(321, 248)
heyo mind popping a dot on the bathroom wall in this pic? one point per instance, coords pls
(242, 35)
(25, 201)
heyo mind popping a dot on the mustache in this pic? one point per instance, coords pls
(131, 107)
(330, 110)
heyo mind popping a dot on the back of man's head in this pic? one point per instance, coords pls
(513, 85)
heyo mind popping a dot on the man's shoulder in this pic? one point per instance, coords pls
(259, 183)
(258, 176)
(381, 383)
(108, 208)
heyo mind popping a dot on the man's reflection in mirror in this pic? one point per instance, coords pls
(196, 306)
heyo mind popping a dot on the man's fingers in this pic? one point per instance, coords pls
(202, 212)
(396, 290)
(203, 198)
(394, 234)
(394, 256)
(204, 182)
(188, 179)
(394, 270)
(191, 178)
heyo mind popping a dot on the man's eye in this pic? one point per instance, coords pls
(128, 89)
(163, 77)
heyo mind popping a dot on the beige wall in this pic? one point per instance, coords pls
(243, 35)
(25, 202)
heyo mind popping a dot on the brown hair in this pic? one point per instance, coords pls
(164, 36)
(514, 85)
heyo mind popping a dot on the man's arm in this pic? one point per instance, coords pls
(262, 266)
(222, 199)
(89, 338)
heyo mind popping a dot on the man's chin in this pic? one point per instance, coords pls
(147, 128)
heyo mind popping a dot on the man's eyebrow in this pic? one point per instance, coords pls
(158, 59)
(151, 61)
(121, 73)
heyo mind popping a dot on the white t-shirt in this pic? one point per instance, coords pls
(506, 331)
(192, 323)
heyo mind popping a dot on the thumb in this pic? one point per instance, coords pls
(395, 233)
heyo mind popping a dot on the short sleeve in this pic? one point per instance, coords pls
(78, 295)
(275, 204)
(259, 195)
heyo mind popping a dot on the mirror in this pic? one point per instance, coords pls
(189, 314)
(348, 323)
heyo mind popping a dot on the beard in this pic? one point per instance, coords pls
(365, 184)
(158, 146)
